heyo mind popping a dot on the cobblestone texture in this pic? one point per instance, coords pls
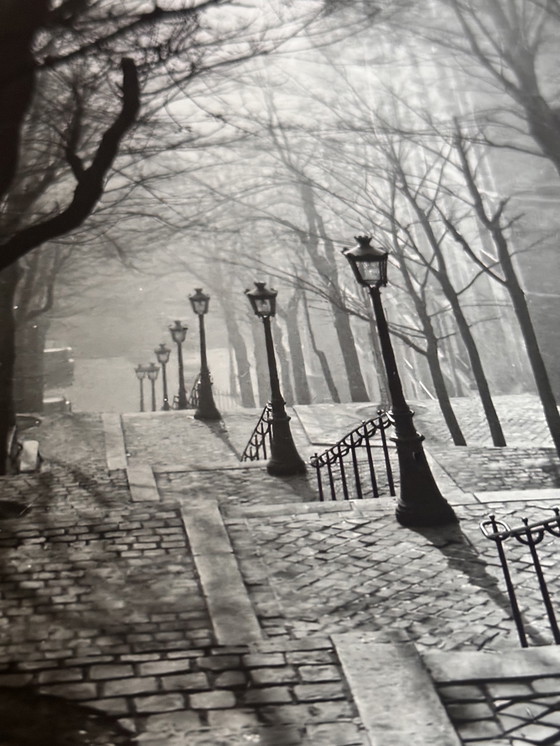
(77, 588)
(487, 469)
(101, 603)
(237, 486)
(177, 438)
(325, 573)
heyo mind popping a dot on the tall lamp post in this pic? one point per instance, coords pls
(206, 409)
(162, 354)
(420, 502)
(141, 372)
(284, 458)
(179, 334)
(152, 371)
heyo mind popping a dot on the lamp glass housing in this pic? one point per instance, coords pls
(162, 353)
(368, 263)
(263, 300)
(140, 371)
(152, 370)
(178, 332)
(199, 302)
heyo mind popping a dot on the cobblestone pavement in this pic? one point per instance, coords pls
(103, 606)
(320, 573)
(521, 417)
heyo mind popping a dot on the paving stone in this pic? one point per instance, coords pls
(164, 667)
(214, 700)
(219, 662)
(335, 734)
(319, 673)
(110, 671)
(267, 695)
(159, 703)
(184, 681)
(122, 687)
(314, 692)
(78, 690)
(276, 675)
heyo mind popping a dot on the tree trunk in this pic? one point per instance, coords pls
(287, 389)
(384, 399)
(261, 366)
(299, 372)
(463, 326)
(323, 362)
(29, 371)
(8, 283)
(442, 394)
(241, 360)
(345, 335)
(498, 438)
(546, 394)
(19, 22)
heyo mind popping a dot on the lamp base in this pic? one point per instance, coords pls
(284, 461)
(421, 502)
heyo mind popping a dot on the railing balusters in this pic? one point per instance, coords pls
(357, 478)
(529, 535)
(350, 481)
(342, 473)
(259, 437)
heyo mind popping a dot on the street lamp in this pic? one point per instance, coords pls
(162, 354)
(206, 409)
(284, 458)
(420, 502)
(141, 371)
(152, 371)
(178, 334)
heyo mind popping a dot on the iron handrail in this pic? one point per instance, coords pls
(259, 437)
(334, 459)
(529, 535)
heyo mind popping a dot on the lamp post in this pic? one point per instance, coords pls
(206, 409)
(284, 458)
(152, 371)
(141, 372)
(420, 502)
(178, 334)
(162, 354)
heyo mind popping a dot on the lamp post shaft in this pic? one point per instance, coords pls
(182, 404)
(141, 395)
(421, 502)
(164, 380)
(284, 459)
(152, 381)
(206, 409)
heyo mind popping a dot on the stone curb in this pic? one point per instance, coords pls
(114, 442)
(395, 696)
(231, 612)
(547, 493)
(141, 482)
(478, 666)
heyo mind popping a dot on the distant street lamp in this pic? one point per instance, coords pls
(420, 503)
(162, 354)
(152, 370)
(178, 334)
(141, 371)
(206, 409)
(284, 458)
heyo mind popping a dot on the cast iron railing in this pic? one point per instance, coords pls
(193, 398)
(529, 535)
(359, 465)
(256, 447)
